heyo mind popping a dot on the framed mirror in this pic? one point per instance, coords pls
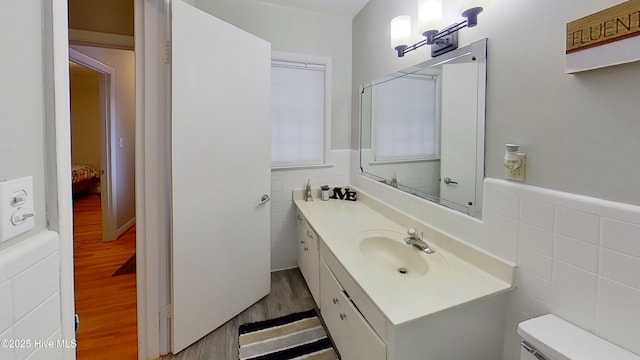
(422, 129)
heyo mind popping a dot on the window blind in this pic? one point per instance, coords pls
(298, 113)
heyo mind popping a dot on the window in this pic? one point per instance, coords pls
(299, 108)
(406, 120)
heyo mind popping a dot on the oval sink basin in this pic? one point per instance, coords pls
(394, 256)
(386, 250)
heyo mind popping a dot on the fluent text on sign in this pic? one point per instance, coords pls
(615, 23)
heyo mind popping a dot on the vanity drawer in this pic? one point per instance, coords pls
(308, 257)
(370, 311)
(351, 333)
(306, 232)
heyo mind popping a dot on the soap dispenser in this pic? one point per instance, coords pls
(307, 191)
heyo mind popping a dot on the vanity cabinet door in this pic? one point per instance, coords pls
(351, 333)
(308, 257)
(301, 242)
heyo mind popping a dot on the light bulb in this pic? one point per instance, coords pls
(429, 15)
(400, 31)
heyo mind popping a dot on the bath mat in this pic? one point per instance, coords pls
(295, 336)
(129, 267)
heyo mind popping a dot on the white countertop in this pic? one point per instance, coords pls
(398, 297)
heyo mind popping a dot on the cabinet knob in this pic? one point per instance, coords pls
(306, 249)
(299, 217)
(342, 316)
(301, 241)
(334, 300)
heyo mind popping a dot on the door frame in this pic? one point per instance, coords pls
(107, 95)
(153, 152)
(152, 202)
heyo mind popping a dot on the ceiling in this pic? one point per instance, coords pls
(348, 8)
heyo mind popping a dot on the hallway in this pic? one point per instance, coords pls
(106, 304)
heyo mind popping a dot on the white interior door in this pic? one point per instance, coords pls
(458, 133)
(221, 167)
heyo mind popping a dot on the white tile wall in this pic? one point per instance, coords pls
(618, 313)
(504, 235)
(578, 257)
(30, 297)
(423, 175)
(283, 182)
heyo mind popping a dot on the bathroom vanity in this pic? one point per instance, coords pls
(383, 299)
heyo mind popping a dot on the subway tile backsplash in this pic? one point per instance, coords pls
(577, 224)
(30, 296)
(578, 257)
(621, 236)
(283, 223)
(536, 213)
(620, 267)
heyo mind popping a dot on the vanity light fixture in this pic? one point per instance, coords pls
(430, 20)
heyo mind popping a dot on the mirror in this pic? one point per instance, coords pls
(422, 129)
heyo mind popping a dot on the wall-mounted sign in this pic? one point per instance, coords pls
(615, 23)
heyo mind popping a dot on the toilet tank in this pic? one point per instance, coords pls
(551, 338)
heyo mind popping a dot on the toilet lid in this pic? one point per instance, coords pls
(561, 340)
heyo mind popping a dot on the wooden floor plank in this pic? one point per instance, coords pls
(106, 304)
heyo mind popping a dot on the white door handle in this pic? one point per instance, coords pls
(449, 181)
(265, 199)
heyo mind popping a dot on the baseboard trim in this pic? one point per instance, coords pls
(125, 227)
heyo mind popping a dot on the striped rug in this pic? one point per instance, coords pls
(295, 336)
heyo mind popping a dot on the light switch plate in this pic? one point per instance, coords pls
(17, 213)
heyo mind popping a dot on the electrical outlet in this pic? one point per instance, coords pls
(518, 173)
(16, 207)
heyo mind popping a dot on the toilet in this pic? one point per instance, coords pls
(550, 338)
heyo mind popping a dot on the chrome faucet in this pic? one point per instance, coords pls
(307, 191)
(394, 181)
(416, 241)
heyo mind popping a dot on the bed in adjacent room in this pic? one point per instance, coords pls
(85, 179)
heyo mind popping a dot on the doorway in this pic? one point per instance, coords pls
(104, 237)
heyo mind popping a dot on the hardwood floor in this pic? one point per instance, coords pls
(289, 294)
(106, 304)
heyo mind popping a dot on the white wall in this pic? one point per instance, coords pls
(22, 102)
(310, 33)
(304, 32)
(34, 304)
(86, 118)
(125, 113)
(579, 131)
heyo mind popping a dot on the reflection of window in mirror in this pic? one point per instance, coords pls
(405, 117)
(415, 153)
